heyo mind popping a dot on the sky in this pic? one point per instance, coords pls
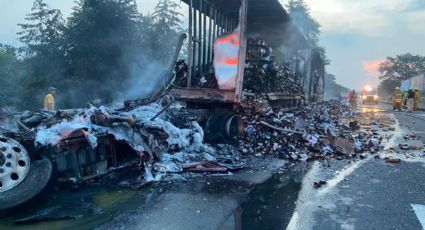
(357, 34)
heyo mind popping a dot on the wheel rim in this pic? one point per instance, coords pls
(14, 163)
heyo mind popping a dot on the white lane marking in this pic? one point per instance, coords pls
(293, 223)
(420, 213)
(305, 201)
(341, 175)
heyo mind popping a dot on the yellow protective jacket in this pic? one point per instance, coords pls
(49, 102)
(417, 95)
(397, 96)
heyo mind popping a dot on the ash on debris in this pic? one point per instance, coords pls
(319, 130)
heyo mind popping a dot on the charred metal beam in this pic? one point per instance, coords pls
(165, 107)
(226, 25)
(223, 23)
(204, 37)
(195, 45)
(190, 46)
(210, 36)
(219, 24)
(214, 29)
(200, 40)
(242, 50)
(200, 95)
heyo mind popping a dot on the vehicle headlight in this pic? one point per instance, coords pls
(375, 96)
(364, 97)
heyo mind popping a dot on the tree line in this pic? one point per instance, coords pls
(96, 52)
(393, 70)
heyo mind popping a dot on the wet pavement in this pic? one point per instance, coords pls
(359, 194)
(246, 200)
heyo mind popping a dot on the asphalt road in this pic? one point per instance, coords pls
(368, 194)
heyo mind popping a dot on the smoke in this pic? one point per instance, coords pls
(144, 73)
(7, 118)
(146, 70)
(332, 89)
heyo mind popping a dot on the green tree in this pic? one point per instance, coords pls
(42, 50)
(42, 37)
(386, 87)
(10, 76)
(99, 52)
(300, 13)
(102, 37)
(402, 67)
(333, 89)
(166, 20)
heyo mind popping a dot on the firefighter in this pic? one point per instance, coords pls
(49, 99)
(353, 99)
(416, 100)
(405, 98)
(410, 99)
(397, 99)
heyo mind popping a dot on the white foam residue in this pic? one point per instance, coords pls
(397, 133)
(92, 139)
(148, 174)
(52, 135)
(185, 138)
(176, 136)
(198, 137)
(404, 155)
(412, 156)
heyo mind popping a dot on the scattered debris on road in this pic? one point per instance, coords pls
(318, 184)
(392, 160)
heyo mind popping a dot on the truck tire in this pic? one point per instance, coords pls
(23, 178)
(222, 128)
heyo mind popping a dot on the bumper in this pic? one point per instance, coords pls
(370, 99)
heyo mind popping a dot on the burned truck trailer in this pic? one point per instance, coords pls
(240, 48)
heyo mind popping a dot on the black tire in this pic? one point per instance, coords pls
(39, 176)
(222, 128)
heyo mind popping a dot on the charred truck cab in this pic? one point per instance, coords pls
(72, 146)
